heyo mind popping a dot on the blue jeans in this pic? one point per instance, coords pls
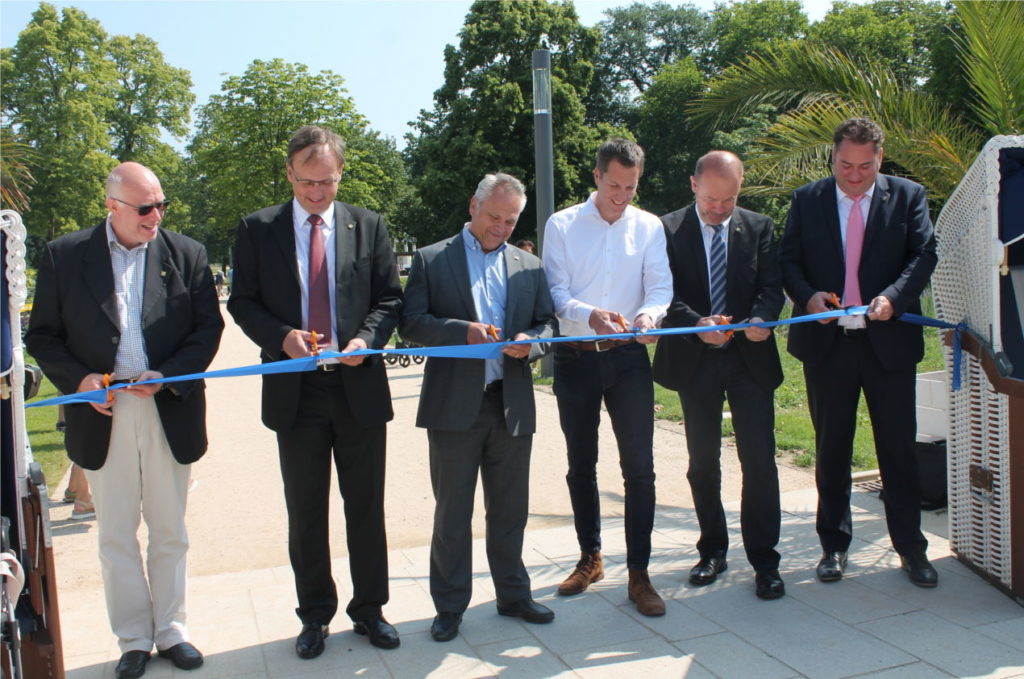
(622, 378)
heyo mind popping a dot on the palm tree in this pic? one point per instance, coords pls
(820, 87)
(15, 177)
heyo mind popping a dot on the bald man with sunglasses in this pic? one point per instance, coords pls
(130, 301)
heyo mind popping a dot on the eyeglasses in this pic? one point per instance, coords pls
(325, 183)
(149, 207)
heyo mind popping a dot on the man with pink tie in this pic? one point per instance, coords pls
(866, 237)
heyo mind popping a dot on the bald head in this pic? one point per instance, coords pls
(129, 176)
(716, 183)
(721, 163)
(136, 203)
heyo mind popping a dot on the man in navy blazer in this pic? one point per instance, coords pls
(315, 264)
(480, 414)
(866, 237)
(135, 301)
(706, 368)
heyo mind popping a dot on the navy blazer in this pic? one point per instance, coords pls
(753, 289)
(897, 261)
(438, 310)
(74, 331)
(266, 302)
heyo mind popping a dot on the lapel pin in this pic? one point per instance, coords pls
(163, 274)
(351, 226)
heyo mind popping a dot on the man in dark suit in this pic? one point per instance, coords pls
(133, 301)
(724, 269)
(867, 237)
(480, 414)
(316, 264)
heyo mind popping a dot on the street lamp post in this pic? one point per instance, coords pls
(544, 156)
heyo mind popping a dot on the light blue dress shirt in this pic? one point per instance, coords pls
(489, 286)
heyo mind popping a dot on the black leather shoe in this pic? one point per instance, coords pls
(382, 633)
(310, 642)
(527, 609)
(707, 570)
(769, 585)
(919, 569)
(445, 626)
(831, 566)
(185, 656)
(132, 665)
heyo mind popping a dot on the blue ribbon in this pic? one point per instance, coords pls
(490, 350)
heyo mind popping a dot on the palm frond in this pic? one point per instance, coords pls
(991, 53)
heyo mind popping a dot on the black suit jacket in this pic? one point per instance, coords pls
(753, 288)
(74, 331)
(438, 310)
(897, 260)
(266, 301)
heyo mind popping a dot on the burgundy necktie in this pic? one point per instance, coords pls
(319, 290)
(854, 245)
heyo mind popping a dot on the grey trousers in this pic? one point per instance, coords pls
(503, 463)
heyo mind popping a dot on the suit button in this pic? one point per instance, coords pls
(113, 340)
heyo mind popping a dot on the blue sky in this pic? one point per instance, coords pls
(390, 52)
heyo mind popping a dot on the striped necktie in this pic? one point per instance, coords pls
(716, 271)
(319, 315)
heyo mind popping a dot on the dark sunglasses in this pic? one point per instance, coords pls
(146, 209)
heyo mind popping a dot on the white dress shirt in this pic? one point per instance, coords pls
(591, 264)
(709, 235)
(300, 221)
(845, 205)
(129, 268)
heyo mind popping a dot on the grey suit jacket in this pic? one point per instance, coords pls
(438, 310)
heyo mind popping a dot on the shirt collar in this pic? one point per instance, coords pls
(301, 216)
(867, 194)
(471, 243)
(112, 240)
(705, 225)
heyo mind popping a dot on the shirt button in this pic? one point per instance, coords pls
(113, 340)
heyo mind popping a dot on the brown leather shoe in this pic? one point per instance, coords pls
(641, 592)
(589, 570)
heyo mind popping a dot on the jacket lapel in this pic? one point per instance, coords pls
(513, 265)
(159, 270)
(284, 232)
(830, 219)
(692, 241)
(344, 251)
(456, 256)
(99, 273)
(879, 203)
(738, 234)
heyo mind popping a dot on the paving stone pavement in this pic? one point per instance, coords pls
(874, 623)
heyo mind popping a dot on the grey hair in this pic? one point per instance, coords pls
(314, 137)
(499, 180)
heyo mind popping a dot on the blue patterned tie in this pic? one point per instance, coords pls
(716, 269)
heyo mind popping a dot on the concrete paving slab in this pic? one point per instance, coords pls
(523, 659)
(647, 657)
(728, 657)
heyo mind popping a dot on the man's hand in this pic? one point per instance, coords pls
(354, 344)
(717, 337)
(757, 334)
(880, 309)
(93, 382)
(479, 333)
(517, 350)
(816, 305)
(643, 323)
(146, 390)
(297, 344)
(605, 322)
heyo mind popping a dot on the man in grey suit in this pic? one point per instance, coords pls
(480, 414)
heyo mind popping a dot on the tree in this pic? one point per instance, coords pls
(482, 119)
(239, 150)
(15, 176)
(57, 88)
(636, 42)
(823, 87)
(752, 26)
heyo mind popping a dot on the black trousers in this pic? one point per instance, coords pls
(723, 374)
(833, 391)
(326, 429)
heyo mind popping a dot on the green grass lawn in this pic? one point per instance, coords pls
(47, 443)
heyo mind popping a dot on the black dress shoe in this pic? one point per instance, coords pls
(527, 609)
(445, 626)
(310, 642)
(919, 569)
(707, 570)
(185, 656)
(769, 585)
(132, 665)
(382, 633)
(831, 566)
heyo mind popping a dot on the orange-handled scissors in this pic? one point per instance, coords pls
(621, 320)
(493, 332)
(314, 348)
(106, 385)
(726, 320)
(833, 302)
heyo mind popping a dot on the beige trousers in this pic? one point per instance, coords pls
(141, 479)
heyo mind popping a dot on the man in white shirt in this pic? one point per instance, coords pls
(608, 269)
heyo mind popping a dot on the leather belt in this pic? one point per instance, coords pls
(598, 345)
(494, 387)
(853, 332)
(328, 367)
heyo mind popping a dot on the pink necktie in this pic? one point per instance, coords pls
(854, 245)
(319, 293)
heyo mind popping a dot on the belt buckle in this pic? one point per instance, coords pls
(597, 345)
(327, 367)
